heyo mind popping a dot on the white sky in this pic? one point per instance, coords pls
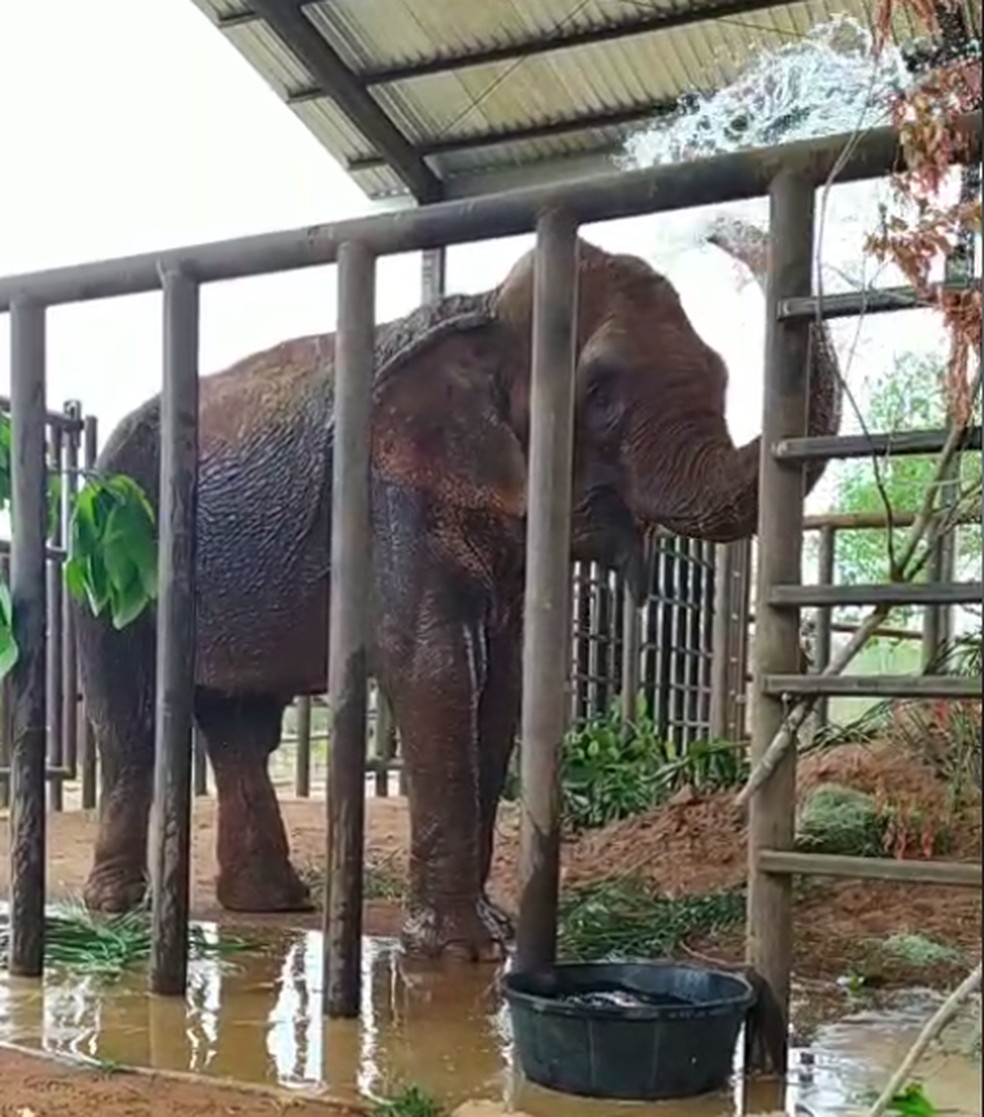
(107, 152)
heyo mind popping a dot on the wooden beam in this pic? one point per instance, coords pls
(959, 874)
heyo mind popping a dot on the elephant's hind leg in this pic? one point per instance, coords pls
(255, 873)
(118, 682)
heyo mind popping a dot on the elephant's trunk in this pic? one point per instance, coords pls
(718, 497)
(749, 245)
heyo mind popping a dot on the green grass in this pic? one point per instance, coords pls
(622, 918)
(408, 1101)
(110, 946)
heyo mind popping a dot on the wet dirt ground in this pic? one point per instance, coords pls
(257, 1019)
(261, 1022)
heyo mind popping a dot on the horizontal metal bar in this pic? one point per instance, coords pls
(845, 304)
(893, 443)
(874, 686)
(55, 419)
(959, 874)
(899, 593)
(887, 632)
(51, 774)
(56, 554)
(725, 178)
(872, 521)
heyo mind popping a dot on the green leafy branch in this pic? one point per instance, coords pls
(112, 547)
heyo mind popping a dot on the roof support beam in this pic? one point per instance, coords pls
(584, 122)
(340, 84)
(561, 38)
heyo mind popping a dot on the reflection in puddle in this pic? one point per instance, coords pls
(259, 1019)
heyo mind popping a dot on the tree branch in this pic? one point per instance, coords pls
(940, 1019)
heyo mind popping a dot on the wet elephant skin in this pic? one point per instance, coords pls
(448, 501)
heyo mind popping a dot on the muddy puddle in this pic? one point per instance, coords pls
(257, 1018)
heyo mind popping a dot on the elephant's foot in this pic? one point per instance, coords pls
(499, 916)
(114, 888)
(467, 931)
(270, 887)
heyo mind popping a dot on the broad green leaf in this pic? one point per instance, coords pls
(127, 602)
(75, 580)
(9, 651)
(96, 583)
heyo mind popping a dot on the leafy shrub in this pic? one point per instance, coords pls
(917, 950)
(837, 819)
(409, 1101)
(613, 769)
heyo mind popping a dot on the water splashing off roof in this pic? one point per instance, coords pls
(823, 84)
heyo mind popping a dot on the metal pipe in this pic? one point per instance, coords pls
(872, 521)
(89, 759)
(897, 444)
(175, 637)
(875, 686)
(895, 593)
(56, 637)
(348, 630)
(847, 304)
(825, 575)
(777, 647)
(631, 639)
(385, 743)
(302, 766)
(724, 178)
(58, 420)
(546, 620)
(70, 663)
(28, 683)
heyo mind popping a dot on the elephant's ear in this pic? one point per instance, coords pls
(437, 427)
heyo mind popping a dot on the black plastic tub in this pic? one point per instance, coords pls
(672, 1036)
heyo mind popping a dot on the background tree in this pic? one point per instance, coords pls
(908, 397)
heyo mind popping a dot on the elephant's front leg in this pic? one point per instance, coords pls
(435, 689)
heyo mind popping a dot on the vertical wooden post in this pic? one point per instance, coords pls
(302, 763)
(70, 663)
(825, 577)
(175, 636)
(89, 773)
(780, 533)
(56, 636)
(631, 639)
(347, 677)
(547, 605)
(28, 692)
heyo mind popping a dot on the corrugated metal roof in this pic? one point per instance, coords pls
(623, 76)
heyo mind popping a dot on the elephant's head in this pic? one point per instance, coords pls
(650, 402)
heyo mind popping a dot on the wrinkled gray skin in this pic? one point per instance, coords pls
(449, 443)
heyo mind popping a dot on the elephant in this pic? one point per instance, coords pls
(449, 449)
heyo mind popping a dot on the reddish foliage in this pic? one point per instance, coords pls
(923, 230)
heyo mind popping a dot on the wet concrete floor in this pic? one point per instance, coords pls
(257, 1018)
